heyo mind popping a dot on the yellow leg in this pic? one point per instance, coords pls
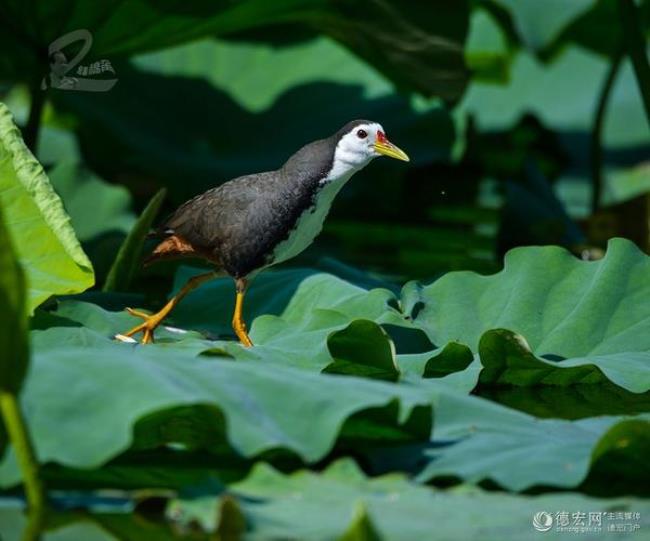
(151, 321)
(237, 320)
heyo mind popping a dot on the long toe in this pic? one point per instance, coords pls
(147, 327)
(138, 313)
(147, 336)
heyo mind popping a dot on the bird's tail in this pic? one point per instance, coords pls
(171, 247)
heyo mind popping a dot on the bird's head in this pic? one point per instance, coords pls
(360, 141)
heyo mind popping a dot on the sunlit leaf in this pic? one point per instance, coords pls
(561, 305)
(38, 226)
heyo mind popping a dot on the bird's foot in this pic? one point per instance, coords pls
(244, 339)
(147, 328)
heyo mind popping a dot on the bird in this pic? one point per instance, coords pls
(255, 221)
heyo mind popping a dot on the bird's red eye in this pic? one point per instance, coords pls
(362, 134)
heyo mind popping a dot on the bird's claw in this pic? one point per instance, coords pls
(147, 328)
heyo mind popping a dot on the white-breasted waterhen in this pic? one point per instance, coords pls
(259, 220)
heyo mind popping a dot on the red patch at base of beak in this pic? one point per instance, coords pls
(381, 138)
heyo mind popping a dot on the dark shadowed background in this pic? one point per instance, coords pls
(524, 123)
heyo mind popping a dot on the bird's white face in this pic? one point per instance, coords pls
(360, 145)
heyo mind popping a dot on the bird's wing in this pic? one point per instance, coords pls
(250, 204)
(212, 216)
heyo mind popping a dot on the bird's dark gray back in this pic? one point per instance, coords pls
(242, 221)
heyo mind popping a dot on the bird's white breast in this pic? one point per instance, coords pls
(310, 222)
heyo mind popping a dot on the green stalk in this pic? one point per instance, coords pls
(596, 151)
(34, 527)
(636, 48)
(19, 438)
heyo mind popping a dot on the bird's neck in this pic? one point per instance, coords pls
(346, 162)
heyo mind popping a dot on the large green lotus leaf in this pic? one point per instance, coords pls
(518, 451)
(539, 23)
(318, 340)
(271, 292)
(322, 322)
(321, 340)
(39, 228)
(314, 309)
(333, 342)
(264, 406)
(251, 397)
(279, 506)
(323, 291)
(363, 348)
(561, 305)
(292, 312)
(293, 294)
(507, 360)
(307, 343)
(273, 102)
(14, 354)
(511, 375)
(83, 324)
(419, 45)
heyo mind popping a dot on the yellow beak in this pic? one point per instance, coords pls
(387, 148)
